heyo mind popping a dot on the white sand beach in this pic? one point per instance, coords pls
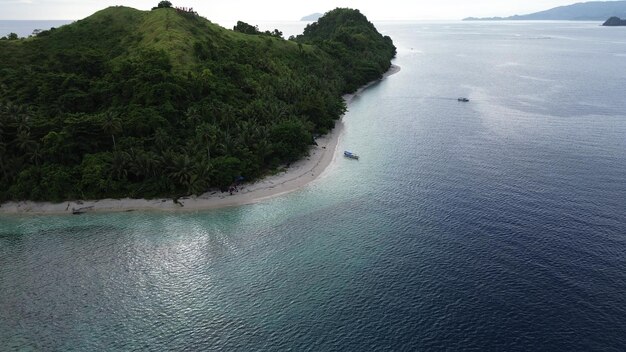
(298, 175)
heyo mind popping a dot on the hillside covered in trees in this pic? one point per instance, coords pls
(129, 103)
(614, 22)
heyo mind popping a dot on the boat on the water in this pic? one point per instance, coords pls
(465, 100)
(350, 155)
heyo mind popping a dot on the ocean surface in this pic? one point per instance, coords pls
(493, 225)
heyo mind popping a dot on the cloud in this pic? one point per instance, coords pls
(8, 2)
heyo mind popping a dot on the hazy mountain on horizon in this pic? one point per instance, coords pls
(312, 17)
(582, 11)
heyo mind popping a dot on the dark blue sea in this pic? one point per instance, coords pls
(498, 224)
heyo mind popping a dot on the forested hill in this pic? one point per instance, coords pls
(166, 103)
(614, 21)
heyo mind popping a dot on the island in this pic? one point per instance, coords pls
(583, 11)
(164, 103)
(614, 21)
(312, 17)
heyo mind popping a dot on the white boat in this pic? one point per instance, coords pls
(350, 155)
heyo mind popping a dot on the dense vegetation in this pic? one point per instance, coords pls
(163, 102)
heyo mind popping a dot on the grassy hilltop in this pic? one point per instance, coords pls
(164, 102)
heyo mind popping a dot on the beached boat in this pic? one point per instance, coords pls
(350, 155)
(465, 100)
(81, 210)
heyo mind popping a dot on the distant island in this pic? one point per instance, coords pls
(165, 103)
(312, 17)
(614, 22)
(584, 11)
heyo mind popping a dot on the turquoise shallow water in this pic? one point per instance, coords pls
(497, 224)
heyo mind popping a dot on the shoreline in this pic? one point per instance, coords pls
(298, 175)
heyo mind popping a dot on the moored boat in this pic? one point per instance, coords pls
(465, 100)
(350, 155)
(81, 210)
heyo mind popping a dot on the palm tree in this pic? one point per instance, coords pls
(277, 112)
(118, 165)
(199, 181)
(3, 125)
(247, 130)
(18, 114)
(5, 166)
(23, 117)
(111, 124)
(24, 142)
(207, 133)
(263, 149)
(227, 116)
(181, 170)
(3, 115)
(227, 145)
(144, 164)
(161, 139)
(193, 116)
(36, 154)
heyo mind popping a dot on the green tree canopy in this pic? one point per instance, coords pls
(243, 27)
(127, 103)
(164, 4)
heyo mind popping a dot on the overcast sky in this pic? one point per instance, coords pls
(286, 10)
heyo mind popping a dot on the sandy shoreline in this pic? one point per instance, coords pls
(295, 177)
